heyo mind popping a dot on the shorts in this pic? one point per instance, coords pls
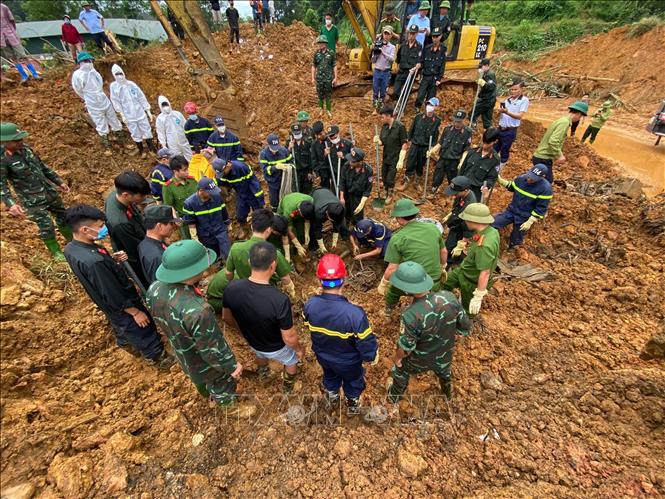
(286, 355)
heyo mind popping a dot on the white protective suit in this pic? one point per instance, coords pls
(171, 130)
(129, 101)
(88, 85)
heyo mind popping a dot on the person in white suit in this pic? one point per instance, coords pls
(170, 126)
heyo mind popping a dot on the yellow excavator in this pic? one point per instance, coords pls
(467, 44)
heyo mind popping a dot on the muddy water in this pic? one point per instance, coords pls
(625, 141)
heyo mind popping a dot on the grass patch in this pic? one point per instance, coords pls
(53, 274)
(644, 26)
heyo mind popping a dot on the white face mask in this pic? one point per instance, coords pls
(429, 109)
(166, 109)
(335, 140)
(297, 136)
(328, 22)
(221, 129)
(87, 66)
(68, 21)
(121, 78)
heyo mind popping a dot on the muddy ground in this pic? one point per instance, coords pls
(551, 399)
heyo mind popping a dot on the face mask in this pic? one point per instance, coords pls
(121, 78)
(429, 109)
(193, 117)
(102, 232)
(166, 109)
(297, 136)
(68, 21)
(335, 141)
(221, 129)
(328, 22)
(86, 66)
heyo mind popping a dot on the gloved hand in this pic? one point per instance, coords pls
(287, 252)
(149, 113)
(302, 252)
(335, 238)
(383, 286)
(476, 301)
(307, 226)
(322, 247)
(122, 118)
(376, 358)
(445, 219)
(503, 181)
(400, 161)
(290, 290)
(194, 236)
(444, 274)
(527, 225)
(361, 205)
(281, 166)
(459, 248)
(377, 140)
(481, 82)
(434, 151)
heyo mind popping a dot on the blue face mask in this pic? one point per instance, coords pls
(193, 117)
(102, 232)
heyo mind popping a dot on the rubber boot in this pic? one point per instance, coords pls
(21, 71)
(389, 195)
(151, 145)
(141, 149)
(263, 372)
(124, 139)
(353, 406)
(288, 382)
(446, 387)
(104, 139)
(388, 310)
(33, 71)
(54, 248)
(66, 232)
(404, 183)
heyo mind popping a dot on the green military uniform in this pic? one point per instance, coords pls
(482, 254)
(190, 323)
(288, 208)
(174, 194)
(486, 100)
(331, 36)
(453, 144)
(215, 291)
(419, 242)
(324, 62)
(238, 260)
(551, 145)
(394, 23)
(427, 333)
(600, 117)
(35, 186)
(392, 138)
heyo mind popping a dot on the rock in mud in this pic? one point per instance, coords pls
(410, 464)
(71, 475)
(113, 475)
(22, 491)
(490, 382)
(655, 347)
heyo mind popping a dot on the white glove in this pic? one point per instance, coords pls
(334, 240)
(434, 151)
(281, 166)
(307, 226)
(322, 247)
(377, 140)
(302, 252)
(445, 219)
(287, 252)
(502, 181)
(361, 205)
(376, 358)
(290, 289)
(444, 274)
(150, 116)
(476, 301)
(122, 118)
(383, 286)
(194, 235)
(527, 225)
(459, 248)
(400, 161)
(481, 82)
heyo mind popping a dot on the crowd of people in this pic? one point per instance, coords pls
(317, 180)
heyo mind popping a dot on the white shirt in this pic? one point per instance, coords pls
(519, 105)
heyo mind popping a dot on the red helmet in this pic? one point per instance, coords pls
(190, 107)
(331, 267)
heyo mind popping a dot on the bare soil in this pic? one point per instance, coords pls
(551, 398)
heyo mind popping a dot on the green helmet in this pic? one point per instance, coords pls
(11, 131)
(411, 278)
(404, 208)
(607, 103)
(445, 3)
(183, 260)
(477, 212)
(424, 5)
(302, 116)
(580, 106)
(322, 39)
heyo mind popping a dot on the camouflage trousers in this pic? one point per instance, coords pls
(393, 294)
(42, 215)
(324, 88)
(222, 390)
(417, 364)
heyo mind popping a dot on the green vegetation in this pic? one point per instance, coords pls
(644, 26)
(528, 26)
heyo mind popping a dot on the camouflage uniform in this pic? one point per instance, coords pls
(35, 186)
(427, 335)
(197, 341)
(325, 64)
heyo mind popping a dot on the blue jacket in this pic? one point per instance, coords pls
(158, 177)
(340, 330)
(378, 237)
(269, 160)
(197, 132)
(227, 147)
(210, 217)
(529, 199)
(242, 179)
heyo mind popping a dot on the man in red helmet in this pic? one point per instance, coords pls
(197, 128)
(342, 338)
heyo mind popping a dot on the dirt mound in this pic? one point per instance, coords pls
(635, 62)
(551, 396)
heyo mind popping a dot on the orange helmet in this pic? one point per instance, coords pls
(190, 107)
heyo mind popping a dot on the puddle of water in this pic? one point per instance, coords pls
(632, 148)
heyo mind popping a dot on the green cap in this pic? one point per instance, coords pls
(11, 131)
(477, 212)
(404, 208)
(411, 278)
(183, 260)
(322, 39)
(580, 106)
(607, 103)
(84, 56)
(424, 5)
(445, 3)
(302, 116)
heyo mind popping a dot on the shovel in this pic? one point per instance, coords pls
(424, 198)
(380, 202)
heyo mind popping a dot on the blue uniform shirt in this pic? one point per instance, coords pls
(227, 147)
(210, 217)
(242, 179)
(378, 237)
(340, 330)
(529, 199)
(269, 160)
(197, 132)
(158, 177)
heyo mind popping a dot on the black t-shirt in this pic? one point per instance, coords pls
(261, 311)
(150, 255)
(233, 16)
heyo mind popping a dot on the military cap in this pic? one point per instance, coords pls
(411, 278)
(413, 28)
(160, 213)
(356, 154)
(457, 185)
(477, 212)
(580, 106)
(11, 131)
(296, 129)
(332, 130)
(322, 39)
(183, 260)
(437, 31)
(459, 115)
(302, 116)
(404, 208)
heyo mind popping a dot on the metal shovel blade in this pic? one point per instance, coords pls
(378, 204)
